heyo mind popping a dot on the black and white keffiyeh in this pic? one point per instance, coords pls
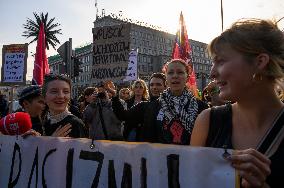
(183, 108)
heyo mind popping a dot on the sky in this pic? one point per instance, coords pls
(202, 17)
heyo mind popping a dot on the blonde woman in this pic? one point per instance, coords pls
(139, 93)
(248, 61)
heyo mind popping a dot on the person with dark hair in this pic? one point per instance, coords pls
(88, 96)
(4, 106)
(248, 62)
(56, 91)
(157, 85)
(99, 116)
(32, 102)
(74, 108)
(210, 95)
(170, 118)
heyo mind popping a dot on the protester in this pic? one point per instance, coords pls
(88, 97)
(157, 85)
(139, 93)
(32, 102)
(170, 118)
(56, 90)
(210, 95)
(248, 61)
(99, 117)
(4, 106)
(124, 94)
(74, 108)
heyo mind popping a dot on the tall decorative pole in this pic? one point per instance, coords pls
(97, 11)
(222, 15)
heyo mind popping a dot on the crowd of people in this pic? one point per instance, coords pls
(242, 99)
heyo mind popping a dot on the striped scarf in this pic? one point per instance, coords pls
(183, 108)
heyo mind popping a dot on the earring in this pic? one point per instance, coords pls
(256, 77)
(253, 76)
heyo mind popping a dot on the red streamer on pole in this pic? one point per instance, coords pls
(41, 66)
(182, 50)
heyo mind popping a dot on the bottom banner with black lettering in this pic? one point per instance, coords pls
(64, 162)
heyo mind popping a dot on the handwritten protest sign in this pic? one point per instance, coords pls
(110, 52)
(14, 64)
(63, 162)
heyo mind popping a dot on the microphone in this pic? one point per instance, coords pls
(15, 123)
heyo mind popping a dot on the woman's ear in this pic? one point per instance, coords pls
(25, 104)
(262, 61)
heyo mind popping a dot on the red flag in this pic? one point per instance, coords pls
(182, 50)
(40, 65)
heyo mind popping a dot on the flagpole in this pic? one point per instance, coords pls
(222, 19)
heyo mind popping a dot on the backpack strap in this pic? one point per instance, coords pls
(274, 137)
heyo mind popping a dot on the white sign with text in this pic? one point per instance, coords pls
(64, 162)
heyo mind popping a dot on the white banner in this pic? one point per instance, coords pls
(62, 162)
(131, 73)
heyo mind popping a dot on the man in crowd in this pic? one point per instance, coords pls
(157, 85)
(32, 102)
(4, 106)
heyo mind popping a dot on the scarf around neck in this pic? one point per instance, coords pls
(58, 117)
(183, 108)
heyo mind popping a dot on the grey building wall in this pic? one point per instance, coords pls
(154, 50)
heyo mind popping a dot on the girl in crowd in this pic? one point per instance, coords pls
(139, 93)
(248, 60)
(89, 96)
(171, 117)
(124, 93)
(56, 91)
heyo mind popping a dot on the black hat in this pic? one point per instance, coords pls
(33, 90)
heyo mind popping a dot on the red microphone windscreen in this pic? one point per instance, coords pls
(15, 123)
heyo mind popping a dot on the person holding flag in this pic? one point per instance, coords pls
(182, 50)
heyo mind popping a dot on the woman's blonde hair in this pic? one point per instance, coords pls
(145, 88)
(252, 37)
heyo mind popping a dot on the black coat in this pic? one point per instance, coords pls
(145, 113)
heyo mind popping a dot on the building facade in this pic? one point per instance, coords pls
(154, 50)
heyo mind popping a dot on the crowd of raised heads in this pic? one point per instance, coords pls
(244, 97)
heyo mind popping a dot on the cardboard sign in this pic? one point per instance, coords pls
(110, 52)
